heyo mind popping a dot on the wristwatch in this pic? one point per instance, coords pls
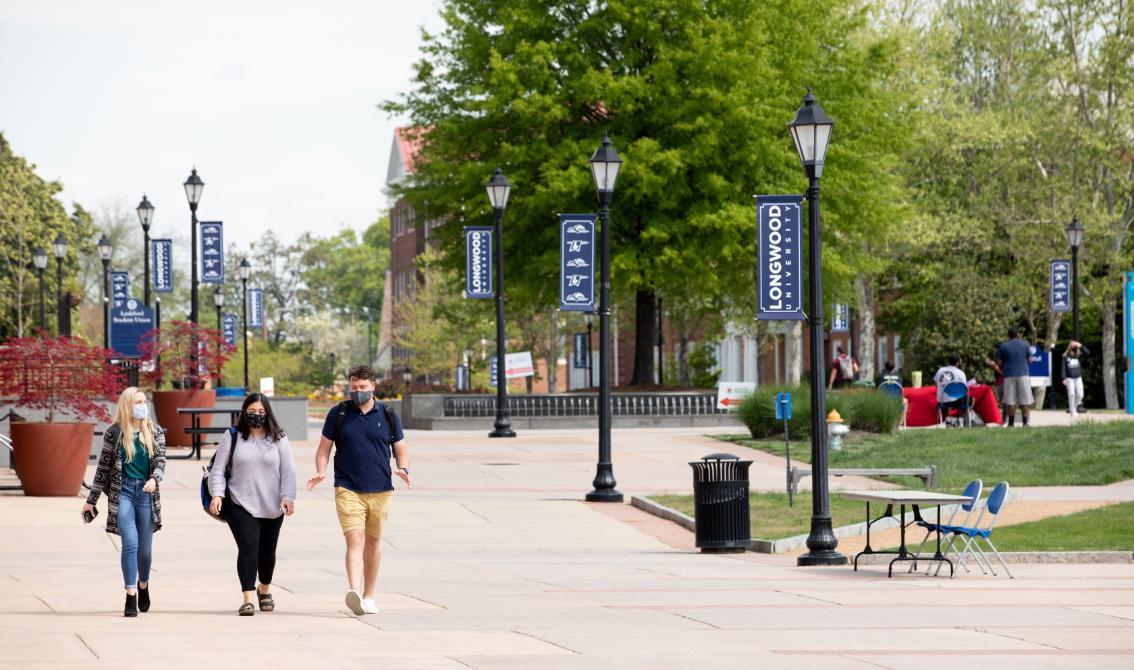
(405, 470)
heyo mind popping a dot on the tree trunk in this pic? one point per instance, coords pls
(683, 379)
(645, 337)
(793, 346)
(864, 289)
(1108, 358)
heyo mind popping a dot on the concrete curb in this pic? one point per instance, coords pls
(796, 542)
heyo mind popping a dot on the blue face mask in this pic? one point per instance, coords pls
(141, 412)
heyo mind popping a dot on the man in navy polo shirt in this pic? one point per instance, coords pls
(363, 479)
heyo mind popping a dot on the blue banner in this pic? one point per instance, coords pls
(577, 262)
(1128, 341)
(212, 253)
(1060, 286)
(162, 265)
(128, 323)
(478, 262)
(840, 319)
(582, 352)
(119, 288)
(779, 239)
(255, 308)
(228, 328)
(493, 371)
(462, 377)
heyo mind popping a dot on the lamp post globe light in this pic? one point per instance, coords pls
(244, 270)
(811, 131)
(605, 165)
(146, 216)
(39, 258)
(1075, 239)
(218, 302)
(63, 322)
(498, 189)
(105, 251)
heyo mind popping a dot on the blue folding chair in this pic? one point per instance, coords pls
(972, 492)
(956, 397)
(974, 533)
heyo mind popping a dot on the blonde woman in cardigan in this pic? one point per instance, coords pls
(131, 465)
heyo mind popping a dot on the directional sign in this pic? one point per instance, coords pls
(212, 252)
(577, 262)
(731, 394)
(840, 320)
(228, 328)
(779, 236)
(1060, 286)
(478, 262)
(128, 324)
(783, 407)
(162, 252)
(119, 288)
(518, 365)
(255, 308)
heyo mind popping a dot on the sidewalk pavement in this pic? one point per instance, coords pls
(493, 561)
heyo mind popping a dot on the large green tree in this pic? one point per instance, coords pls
(695, 97)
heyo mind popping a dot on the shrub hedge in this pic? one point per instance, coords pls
(861, 409)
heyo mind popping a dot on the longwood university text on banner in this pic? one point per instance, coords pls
(1060, 286)
(577, 262)
(779, 258)
(162, 252)
(212, 253)
(478, 261)
(255, 308)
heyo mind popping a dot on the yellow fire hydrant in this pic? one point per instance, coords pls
(835, 431)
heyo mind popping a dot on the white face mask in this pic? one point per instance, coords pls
(141, 411)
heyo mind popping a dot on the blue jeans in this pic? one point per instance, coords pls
(136, 526)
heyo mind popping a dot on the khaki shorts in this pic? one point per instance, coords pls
(1017, 391)
(359, 511)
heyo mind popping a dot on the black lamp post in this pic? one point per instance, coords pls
(218, 302)
(105, 251)
(63, 316)
(590, 319)
(605, 165)
(811, 131)
(39, 258)
(245, 271)
(193, 188)
(498, 188)
(146, 217)
(1075, 239)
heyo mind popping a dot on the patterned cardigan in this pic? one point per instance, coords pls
(109, 472)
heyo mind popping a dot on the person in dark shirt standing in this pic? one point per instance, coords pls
(1013, 358)
(1073, 375)
(365, 438)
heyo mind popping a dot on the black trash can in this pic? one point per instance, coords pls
(720, 503)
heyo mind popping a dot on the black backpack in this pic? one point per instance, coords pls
(206, 498)
(341, 419)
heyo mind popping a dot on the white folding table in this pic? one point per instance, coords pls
(914, 499)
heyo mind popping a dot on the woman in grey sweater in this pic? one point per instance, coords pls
(259, 492)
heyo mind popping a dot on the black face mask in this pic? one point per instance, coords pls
(256, 420)
(360, 398)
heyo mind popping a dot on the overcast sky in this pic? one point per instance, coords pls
(274, 102)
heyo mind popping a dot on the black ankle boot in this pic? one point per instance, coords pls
(131, 606)
(143, 599)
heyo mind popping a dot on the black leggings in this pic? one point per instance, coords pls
(256, 543)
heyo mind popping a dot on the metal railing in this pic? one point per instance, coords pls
(624, 404)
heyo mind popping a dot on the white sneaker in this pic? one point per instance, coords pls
(369, 606)
(354, 602)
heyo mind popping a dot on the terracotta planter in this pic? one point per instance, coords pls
(52, 457)
(165, 412)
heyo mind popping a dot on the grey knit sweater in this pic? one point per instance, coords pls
(263, 474)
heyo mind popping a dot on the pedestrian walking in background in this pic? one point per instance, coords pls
(130, 467)
(365, 434)
(258, 492)
(844, 370)
(1013, 359)
(1073, 375)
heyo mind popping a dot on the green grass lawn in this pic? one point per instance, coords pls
(1081, 455)
(1102, 529)
(772, 519)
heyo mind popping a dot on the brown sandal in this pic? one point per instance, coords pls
(246, 610)
(266, 602)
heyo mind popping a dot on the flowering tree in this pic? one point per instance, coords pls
(171, 349)
(46, 372)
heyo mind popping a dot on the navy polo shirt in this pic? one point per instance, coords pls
(363, 450)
